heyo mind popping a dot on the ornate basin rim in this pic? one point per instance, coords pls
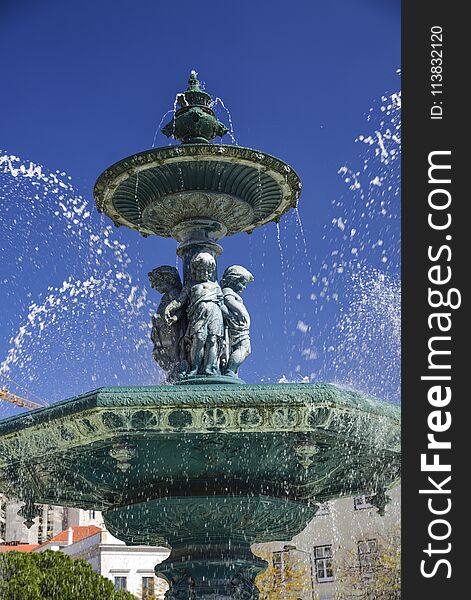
(318, 441)
(110, 180)
(172, 396)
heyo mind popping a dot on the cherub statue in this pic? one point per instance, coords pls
(204, 308)
(169, 351)
(237, 321)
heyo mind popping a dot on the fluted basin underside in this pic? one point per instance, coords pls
(156, 190)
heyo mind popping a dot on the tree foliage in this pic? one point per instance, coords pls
(382, 579)
(290, 579)
(53, 576)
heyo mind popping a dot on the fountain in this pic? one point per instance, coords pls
(205, 464)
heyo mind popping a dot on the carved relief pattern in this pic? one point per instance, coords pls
(163, 215)
(102, 423)
(182, 587)
(243, 588)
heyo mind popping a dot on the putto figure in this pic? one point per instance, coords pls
(237, 320)
(168, 338)
(204, 304)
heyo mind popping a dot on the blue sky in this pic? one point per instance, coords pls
(85, 84)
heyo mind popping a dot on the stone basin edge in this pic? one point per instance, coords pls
(294, 394)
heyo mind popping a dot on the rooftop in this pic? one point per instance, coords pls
(79, 532)
(18, 547)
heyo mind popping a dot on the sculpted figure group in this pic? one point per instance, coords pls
(201, 328)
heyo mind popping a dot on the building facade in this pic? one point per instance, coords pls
(50, 522)
(82, 534)
(128, 567)
(346, 536)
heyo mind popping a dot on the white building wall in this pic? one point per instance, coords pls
(77, 516)
(342, 528)
(112, 558)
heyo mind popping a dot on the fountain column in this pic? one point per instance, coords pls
(198, 235)
(211, 569)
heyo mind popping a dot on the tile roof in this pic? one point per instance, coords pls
(18, 547)
(80, 532)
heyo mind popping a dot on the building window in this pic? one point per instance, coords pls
(41, 532)
(367, 555)
(277, 559)
(362, 502)
(49, 522)
(91, 514)
(278, 567)
(323, 509)
(323, 563)
(121, 583)
(148, 588)
(65, 518)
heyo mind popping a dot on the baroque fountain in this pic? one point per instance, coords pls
(206, 464)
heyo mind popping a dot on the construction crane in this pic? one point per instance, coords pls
(18, 400)
(5, 394)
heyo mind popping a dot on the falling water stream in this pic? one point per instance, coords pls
(230, 133)
(71, 303)
(357, 278)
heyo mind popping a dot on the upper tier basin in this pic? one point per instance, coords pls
(157, 190)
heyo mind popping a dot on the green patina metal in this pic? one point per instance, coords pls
(203, 469)
(207, 467)
(197, 193)
(195, 121)
(156, 190)
(238, 188)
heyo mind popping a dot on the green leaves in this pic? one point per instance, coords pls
(53, 576)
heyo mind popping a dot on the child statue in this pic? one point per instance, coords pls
(204, 309)
(233, 282)
(167, 338)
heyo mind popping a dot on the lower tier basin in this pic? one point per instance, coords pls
(206, 470)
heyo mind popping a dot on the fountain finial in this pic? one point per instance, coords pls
(193, 80)
(194, 122)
